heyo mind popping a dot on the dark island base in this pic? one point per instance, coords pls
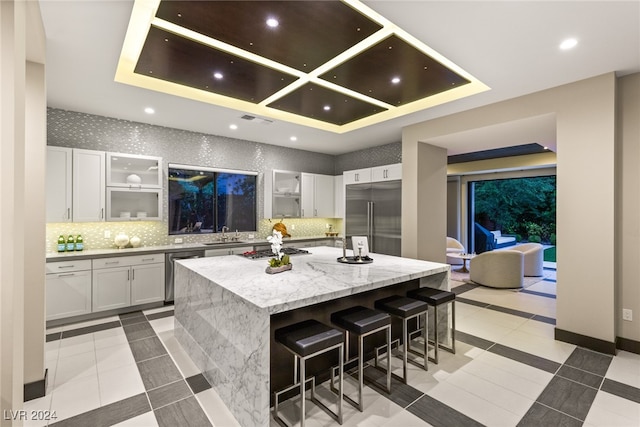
(282, 360)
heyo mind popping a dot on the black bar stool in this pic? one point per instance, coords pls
(362, 322)
(305, 340)
(406, 309)
(435, 298)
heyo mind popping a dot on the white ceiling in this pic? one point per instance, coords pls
(511, 46)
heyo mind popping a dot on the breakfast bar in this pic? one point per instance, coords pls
(226, 309)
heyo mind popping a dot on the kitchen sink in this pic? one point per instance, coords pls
(220, 242)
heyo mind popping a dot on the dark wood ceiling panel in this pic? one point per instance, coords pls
(169, 57)
(371, 73)
(309, 32)
(311, 101)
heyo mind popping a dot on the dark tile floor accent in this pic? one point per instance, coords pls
(401, 394)
(158, 372)
(621, 390)
(90, 329)
(186, 412)
(526, 358)
(549, 320)
(473, 340)
(540, 294)
(138, 331)
(580, 376)
(160, 315)
(472, 302)
(438, 414)
(53, 336)
(198, 383)
(131, 320)
(539, 415)
(511, 311)
(168, 394)
(110, 414)
(568, 397)
(589, 361)
(463, 288)
(147, 348)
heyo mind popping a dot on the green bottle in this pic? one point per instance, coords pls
(62, 244)
(79, 243)
(71, 243)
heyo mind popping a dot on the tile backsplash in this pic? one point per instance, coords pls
(154, 233)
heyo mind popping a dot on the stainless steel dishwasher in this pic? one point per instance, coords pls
(169, 266)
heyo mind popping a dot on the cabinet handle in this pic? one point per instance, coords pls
(357, 177)
(66, 274)
(133, 275)
(112, 262)
(315, 212)
(66, 266)
(128, 275)
(68, 213)
(302, 212)
(147, 259)
(101, 213)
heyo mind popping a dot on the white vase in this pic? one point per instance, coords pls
(135, 242)
(121, 240)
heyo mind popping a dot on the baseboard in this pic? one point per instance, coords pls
(591, 343)
(628, 345)
(36, 389)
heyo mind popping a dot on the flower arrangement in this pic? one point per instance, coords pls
(280, 258)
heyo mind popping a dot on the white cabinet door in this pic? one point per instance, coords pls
(386, 173)
(324, 203)
(88, 185)
(58, 185)
(68, 294)
(308, 195)
(357, 176)
(338, 197)
(133, 171)
(111, 288)
(147, 283)
(317, 196)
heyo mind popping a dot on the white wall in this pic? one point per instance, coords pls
(586, 185)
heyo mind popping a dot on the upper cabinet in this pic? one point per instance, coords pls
(133, 171)
(88, 186)
(134, 187)
(317, 196)
(376, 174)
(282, 194)
(58, 185)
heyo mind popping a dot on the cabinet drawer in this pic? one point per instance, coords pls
(126, 261)
(68, 266)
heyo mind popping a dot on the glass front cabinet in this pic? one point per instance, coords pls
(134, 187)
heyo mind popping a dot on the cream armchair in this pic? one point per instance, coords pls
(454, 247)
(533, 258)
(498, 269)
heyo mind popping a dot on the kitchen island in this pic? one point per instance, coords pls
(226, 310)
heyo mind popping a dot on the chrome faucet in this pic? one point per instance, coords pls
(224, 228)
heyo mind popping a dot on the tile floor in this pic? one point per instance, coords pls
(508, 371)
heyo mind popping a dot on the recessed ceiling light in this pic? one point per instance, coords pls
(326, 108)
(218, 75)
(149, 110)
(395, 80)
(272, 22)
(233, 126)
(568, 44)
(294, 138)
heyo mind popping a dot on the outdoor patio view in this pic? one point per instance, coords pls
(515, 210)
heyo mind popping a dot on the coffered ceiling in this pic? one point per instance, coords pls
(508, 46)
(334, 65)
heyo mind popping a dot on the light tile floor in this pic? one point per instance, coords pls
(505, 366)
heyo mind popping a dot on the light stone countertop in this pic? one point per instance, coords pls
(315, 278)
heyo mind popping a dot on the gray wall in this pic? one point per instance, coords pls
(387, 154)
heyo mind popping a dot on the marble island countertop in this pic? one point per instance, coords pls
(315, 278)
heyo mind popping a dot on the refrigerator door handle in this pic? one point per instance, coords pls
(370, 224)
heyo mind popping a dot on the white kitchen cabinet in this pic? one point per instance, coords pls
(376, 174)
(88, 185)
(358, 176)
(133, 171)
(310, 244)
(338, 196)
(68, 289)
(58, 184)
(124, 281)
(135, 204)
(317, 196)
(227, 251)
(386, 173)
(147, 283)
(282, 194)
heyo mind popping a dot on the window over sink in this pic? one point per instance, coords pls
(204, 200)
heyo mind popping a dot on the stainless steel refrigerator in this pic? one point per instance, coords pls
(374, 210)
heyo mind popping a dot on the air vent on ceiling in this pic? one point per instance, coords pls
(255, 119)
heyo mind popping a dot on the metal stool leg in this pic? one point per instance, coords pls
(302, 387)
